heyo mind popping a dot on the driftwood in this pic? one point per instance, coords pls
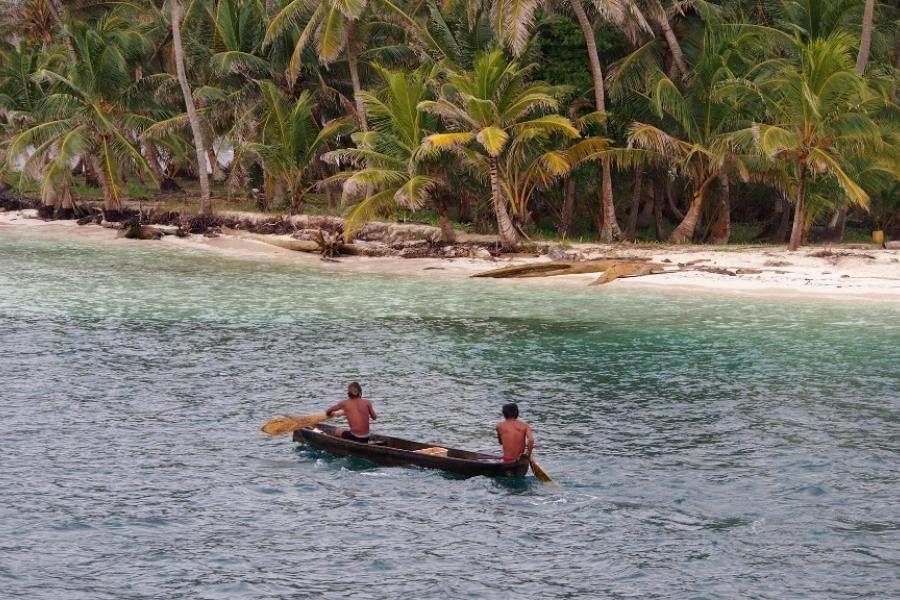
(627, 269)
(567, 267)
(329, 247)
(521, 270)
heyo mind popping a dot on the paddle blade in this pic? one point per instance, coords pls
(539, 472)
(291, 423)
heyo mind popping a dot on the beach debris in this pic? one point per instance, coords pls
(328, 244)
(777, 263)
(613, 268)
(557, 253)
(627, 269)
(136, 231)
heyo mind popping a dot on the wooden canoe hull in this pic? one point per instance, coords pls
(396, 452)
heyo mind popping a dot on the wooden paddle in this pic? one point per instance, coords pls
(291, 423)
(539, 472)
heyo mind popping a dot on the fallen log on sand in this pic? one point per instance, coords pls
(297, 245)
(624, 269)
(562, 267)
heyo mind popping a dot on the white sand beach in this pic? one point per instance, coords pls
(832, 272)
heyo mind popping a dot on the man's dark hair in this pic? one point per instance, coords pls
(511, 411)
(354, 390)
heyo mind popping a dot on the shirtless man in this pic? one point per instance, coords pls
(514, 435)
(358, 411)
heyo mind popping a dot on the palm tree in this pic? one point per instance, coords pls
(513, 20)
(290, 139)
(691, 117)
(536, 163)
(393, 167)
(202, 173)
(865, 42)
(819, 122)
(488, 108)
(84, 113)
(334, 25)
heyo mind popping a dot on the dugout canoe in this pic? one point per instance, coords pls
(396, 452)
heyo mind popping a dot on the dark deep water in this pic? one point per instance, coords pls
(705, 448)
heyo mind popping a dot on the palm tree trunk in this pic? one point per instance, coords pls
(671, 204)
(799, 211)
(839, 224)
(568, 208)
(635, 205)
(354, 76)
(509, 237)
(865, 42)
(657, 212)
(153, 161)
(202, 168)
(684, 233)
(721, 232)
(448, 235)
(111, 203)
(215, 167)
(781, 233)
(662, 20)
(609, 230)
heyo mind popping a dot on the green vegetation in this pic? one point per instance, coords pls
(740, 121)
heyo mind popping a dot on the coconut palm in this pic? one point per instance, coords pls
(392, 165)
(487, 110)
(333, 26)
(691, 116)
(513, 20)
(290, 139)
(176, 14)
(84, 114)
(818, 122)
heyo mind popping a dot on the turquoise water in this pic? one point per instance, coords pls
(704, 448)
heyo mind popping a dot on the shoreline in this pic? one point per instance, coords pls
(830, 273)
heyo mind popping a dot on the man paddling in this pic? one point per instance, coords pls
(514, 435)
(358, 411)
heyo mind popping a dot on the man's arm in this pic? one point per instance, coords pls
(499, 437)
(529, 440)
(372, 412)
(335, 408)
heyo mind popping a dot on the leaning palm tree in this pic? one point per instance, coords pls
(84, 116)
(690, 118)
(819, 122)
(488, 108)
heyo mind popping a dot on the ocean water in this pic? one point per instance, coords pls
(703, 447)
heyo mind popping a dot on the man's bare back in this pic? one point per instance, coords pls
(514, 435)
(358, 412)
(357, 409)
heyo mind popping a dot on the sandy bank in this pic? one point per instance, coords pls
(829, 273)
